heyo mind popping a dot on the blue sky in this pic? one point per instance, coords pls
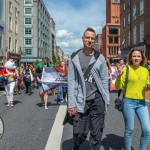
(72, 17)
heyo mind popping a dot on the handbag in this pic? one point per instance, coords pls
(68, 119)
(119, 101)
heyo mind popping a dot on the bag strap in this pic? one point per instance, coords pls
(88, 70)
(126, 81)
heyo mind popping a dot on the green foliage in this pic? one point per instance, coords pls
(54, 59)
(36, 62)
(58, 59)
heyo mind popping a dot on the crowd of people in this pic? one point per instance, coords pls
(27, 77)
(89, 76)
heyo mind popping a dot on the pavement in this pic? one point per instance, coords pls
(113, 132)
(28, 126)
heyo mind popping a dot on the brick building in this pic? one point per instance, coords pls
(135, 26)
(111, 31)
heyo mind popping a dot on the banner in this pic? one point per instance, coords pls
(51, 78)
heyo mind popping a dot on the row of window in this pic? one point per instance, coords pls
(135, 9)
(113, 40)
(10, 44)
(113, 50)
(135, 35)
(11, 9)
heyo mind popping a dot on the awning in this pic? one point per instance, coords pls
(1, 27)
(29, 60)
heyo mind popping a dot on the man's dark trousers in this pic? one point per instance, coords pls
(92, 120)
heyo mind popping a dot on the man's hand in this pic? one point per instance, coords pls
(72, 111)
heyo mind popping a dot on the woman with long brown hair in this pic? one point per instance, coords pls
(134, 101)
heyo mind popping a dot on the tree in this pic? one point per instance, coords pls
(54, 59)
(36, 62)
(58, 59)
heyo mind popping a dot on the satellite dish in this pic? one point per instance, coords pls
(1, 127)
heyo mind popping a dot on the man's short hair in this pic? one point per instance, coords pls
(46, 58)
(89, 29)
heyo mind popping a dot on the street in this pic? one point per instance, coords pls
(28, 126)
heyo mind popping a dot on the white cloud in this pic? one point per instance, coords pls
(71, 21)
(63, 33)
(70, 45)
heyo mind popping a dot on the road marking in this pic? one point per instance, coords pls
(54, 140)
(2, 93)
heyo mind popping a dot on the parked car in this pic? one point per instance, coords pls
(1, 83)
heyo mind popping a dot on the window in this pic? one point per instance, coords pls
(9, 43)
(15, 45)
(28, 10)
(16, 12)
(123, 40)
(10, 24)
(124, 22)
(28, 21)
(109, 51)
(141, 7)
(128, 2)
(10, 7)
(116, 40)
(115, 50)
(124, 6)
(141, 31)
(110, 40)
(28, 51)
(113, 30)
(134, 12)
(28, 31)
(129, 18)
(28, 1)
(28, 41)
(134, 35)
(16, 27)
(0, 40)
(129, 38)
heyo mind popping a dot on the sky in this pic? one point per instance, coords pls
(72, 17)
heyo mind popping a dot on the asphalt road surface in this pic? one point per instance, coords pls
(27, 126)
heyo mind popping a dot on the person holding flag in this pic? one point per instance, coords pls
(39, 70)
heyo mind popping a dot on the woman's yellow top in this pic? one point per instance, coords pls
(137, 79)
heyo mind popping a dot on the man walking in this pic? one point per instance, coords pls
(88, 94)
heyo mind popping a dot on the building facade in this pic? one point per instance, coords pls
(60, 53)
(2, 32)
(111, 31)
(36, 37)
(53, 38)
(9, 32)
(135, 29)
(98, 42)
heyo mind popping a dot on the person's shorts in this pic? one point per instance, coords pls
(40, 87)
(16, 82)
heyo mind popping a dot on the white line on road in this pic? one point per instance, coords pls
(54, 140)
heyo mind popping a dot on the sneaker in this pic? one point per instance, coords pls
(11, 104)
(8, 105)
(58, 103)
(62, 101)
(46, 107)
